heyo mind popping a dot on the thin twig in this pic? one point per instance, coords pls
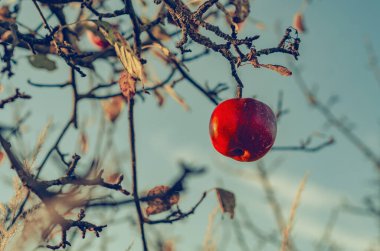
(134, 173)
(17, 95)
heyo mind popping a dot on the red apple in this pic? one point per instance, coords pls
(243, 129)
(97, 40)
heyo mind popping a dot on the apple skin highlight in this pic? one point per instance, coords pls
(243, 129)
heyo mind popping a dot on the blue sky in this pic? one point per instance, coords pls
(333, 60)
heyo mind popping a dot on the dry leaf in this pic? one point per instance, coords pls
(160, 33)
(260, 25)
(114, 178)
(161, 204)
(123, 50)
(238, 26)
(194, 3)
(241, 10)
(113, 107)
(129, 60)
(226, 201)
(159, 97)
(164, 54)
(170, 90)
(127, 85)
(83, 142)
(7, 36)
(161, 52)
(298, 22)
(41, 61)
(168, 246)
(278, 68)
(5, 14)
(2, 157)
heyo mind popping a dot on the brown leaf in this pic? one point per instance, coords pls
(7, 36)
(5, 14)
(298, 22)
(161, 204)
(238, 26)
(160, 33)
(170, 90)
(83, 142)
(159, 97)
(113, 178)
(241, 10)
(278, 68)
(226, 201)
(113, 107)
(123, 50)
(2, 157)
(127, 85)
(168, 246)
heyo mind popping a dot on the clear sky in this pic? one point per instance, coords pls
(334, 61)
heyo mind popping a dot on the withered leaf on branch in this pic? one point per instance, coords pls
(127, 85)
(170, 90)
(83, 142)
(160, 98)
(41, 61)
(2, 156)
(113, 107)
(164, 53)
(163, 202)
(5, 14)
(298, 22)
(278, 68)
(114, 178)
(241, 10)
(226, 201)
(126, 55)
(238, 26)
(160, 33)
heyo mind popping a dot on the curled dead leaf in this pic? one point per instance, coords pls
(164, 201)
(298, 22)
(226, 201)
(278, 68)
(113, 107)
(127, 85)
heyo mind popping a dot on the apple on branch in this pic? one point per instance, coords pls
(243, 129)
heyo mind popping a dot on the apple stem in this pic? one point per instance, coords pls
(239, 91)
